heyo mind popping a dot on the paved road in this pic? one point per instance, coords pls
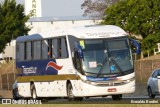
(140, 96)
(108, 100)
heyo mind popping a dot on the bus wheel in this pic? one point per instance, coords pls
(79, 99)
(70, 92)
(33, 92)
(117, 97)
(15, 94)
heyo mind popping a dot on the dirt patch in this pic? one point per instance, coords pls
(141, 90)
(6, 94)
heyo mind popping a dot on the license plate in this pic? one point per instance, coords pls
(112, 90)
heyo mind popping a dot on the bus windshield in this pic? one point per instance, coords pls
(103, 56)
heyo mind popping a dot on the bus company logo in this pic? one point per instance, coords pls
(29, 70)
(53, 65)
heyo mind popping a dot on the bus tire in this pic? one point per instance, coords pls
(70, 92)
(15, 94)
(33, 92)
(78, 99)
(117, 97)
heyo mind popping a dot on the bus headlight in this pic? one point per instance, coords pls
(109, 83)
(89, 82)
(129, 80)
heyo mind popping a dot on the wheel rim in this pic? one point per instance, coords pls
(70, 92)
(34, 94)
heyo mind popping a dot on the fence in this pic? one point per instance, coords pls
(6, 81)
(143, 70)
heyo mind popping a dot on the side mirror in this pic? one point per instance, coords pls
(135, 46)
(78, 50)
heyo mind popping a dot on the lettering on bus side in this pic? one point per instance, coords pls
(101, 34)
(29, 70)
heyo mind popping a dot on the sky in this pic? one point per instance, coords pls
(60, 7)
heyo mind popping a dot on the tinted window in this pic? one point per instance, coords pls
(20, 51)
(29, 51)
(37, 49)
(42, 49)
(154, 75)
(158, 73)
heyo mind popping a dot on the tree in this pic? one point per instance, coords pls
(150, 42)
(140, 17)
(96, 8)
(12, 22)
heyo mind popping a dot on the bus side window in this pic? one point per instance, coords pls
(25, 50)
(20, 51)
(32, 50)
(59, 48)
(29, 50)
(37, 50)
(44, 49)
(55, 48)
(62, 48)
(52, 48)
(49, 51)
(64, 53)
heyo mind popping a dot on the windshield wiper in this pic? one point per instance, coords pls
(113, 60)
(102, 66)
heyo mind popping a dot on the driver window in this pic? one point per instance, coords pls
(158, 73)
(154, 75)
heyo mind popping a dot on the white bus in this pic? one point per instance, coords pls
(75, 63)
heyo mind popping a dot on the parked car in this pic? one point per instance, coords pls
(153, 85)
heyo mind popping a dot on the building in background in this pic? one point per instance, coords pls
(49, 8)
(9, 52)
(44, 24)
(48, 15)
(33, 7)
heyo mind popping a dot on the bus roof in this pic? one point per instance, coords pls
(85, 32)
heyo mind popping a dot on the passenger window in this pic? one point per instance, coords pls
(154, 75)
(44, 49)
(37, 49)
(158, 73)
(62, 48)
(20, 51)
(64, 53)
(25, 50)
(29, 51)
(54, 48)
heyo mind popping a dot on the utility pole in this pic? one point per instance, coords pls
(13, 57)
